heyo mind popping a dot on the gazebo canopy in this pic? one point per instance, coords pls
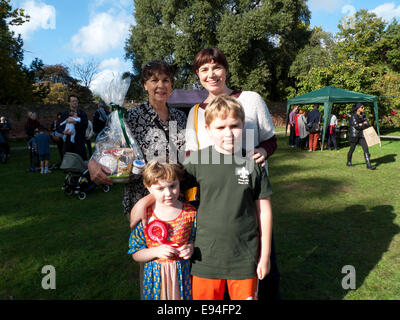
(330, 95)
(190, 97)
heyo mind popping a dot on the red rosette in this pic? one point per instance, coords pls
(158, 231)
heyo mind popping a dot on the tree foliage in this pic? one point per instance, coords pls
(260, 38)
(365, 57)
(15, 86)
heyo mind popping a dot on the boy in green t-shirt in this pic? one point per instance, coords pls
(234, 220)
(234, 225)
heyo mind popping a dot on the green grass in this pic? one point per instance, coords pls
(86, 241)
(326, 216)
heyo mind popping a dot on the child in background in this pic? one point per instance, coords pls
(70, 127)
(166, 244)
(42, 141)
(34, 157)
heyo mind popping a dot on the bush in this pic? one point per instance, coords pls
(392, 120)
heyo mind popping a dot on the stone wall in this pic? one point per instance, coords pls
(17, 115)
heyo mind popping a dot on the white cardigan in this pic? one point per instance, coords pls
(257, 119)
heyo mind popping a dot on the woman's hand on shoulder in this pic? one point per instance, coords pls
(259, 155)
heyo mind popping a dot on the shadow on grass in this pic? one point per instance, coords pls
(312, 258)
(385, 159)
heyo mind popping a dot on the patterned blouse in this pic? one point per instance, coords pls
(152, 135)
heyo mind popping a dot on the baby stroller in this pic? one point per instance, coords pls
(80, 184)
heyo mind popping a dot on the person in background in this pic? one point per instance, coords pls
(292, 123)
(42, 141)
(313, 120)
(5, 128)
(301, 129)
(33, 154)
(31, 124)
(78, 146)
(88, 136)
(100, 118)
(333, 123)
(358, 122)
(57, 136)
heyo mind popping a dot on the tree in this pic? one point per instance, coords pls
(53, 84)
(86, 71)
(363, 39)
(15, 86)
(260, 38)
(319, 52)
(393, 53)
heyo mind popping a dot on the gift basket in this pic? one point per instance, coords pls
(115, 146)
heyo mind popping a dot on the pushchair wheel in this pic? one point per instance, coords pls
(68, 191)
(106, 188)
(82, 196)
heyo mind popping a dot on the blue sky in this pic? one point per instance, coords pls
(73, 31)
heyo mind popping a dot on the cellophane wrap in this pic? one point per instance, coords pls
(115, 146)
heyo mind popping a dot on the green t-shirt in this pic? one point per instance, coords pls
(227, 243)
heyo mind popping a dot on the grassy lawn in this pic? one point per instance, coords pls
(326, 216)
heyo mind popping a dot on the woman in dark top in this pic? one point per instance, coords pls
(358, 123)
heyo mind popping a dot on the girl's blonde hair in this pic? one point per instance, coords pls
(224, 106)
(155, 171)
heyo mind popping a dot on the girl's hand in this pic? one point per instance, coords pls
(260, 155)
(166, 252)
(263, 268)
(185, 251)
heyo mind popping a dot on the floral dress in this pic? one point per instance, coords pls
(166, 279)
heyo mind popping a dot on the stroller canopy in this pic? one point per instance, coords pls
(73, 162)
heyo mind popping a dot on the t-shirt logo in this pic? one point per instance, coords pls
(243, 175)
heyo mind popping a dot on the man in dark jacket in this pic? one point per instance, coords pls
(313, 120)
(80, 127)
(358, 123)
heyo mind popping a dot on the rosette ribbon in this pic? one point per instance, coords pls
(158, 231)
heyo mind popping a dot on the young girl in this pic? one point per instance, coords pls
(166, 244)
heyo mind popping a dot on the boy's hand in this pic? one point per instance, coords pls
(166, 252)
(263, 268)
(186, 251)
